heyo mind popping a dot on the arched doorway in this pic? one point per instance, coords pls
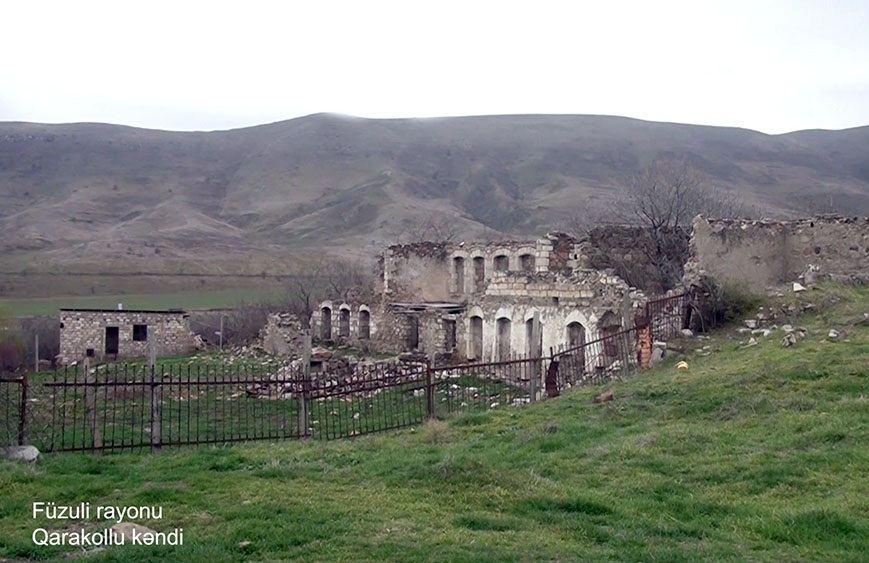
(364, 324)
(344, 323)
(503, 325)
(476, 338)
(326, 323)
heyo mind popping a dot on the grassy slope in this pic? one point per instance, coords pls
(753, 453)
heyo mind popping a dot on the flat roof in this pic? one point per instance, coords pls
(163, 311)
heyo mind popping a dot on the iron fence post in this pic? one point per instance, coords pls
(429, 389)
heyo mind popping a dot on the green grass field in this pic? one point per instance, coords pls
(753, 453)
(189, 300)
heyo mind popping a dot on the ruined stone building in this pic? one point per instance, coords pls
(484, 301)
(491, 301)
(111, 334)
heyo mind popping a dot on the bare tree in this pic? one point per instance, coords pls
(432, 229)
(663, 198)
(329, 278)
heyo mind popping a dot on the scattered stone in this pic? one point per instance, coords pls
(789, 339)
(798, 287)
(20, 453)
(751, 323)
(833, 334)
(751, 342)
(604, 397)
(687, 332)
(787, 328)
(244, 543)
(682, 365)
(743, 330)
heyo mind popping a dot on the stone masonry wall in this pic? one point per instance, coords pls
(767, 253)
(83, 330)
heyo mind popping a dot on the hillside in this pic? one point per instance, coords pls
(754, 453)
(93, 197)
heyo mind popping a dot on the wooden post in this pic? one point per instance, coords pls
(552, 376)
(36, 352)
(22, 413)
(221, 332)
(538, 364)
(156, 396)
(90, 394)
(305, 399)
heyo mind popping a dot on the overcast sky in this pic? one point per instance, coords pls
(766, 65)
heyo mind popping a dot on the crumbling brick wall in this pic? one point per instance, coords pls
(83, 330)
(758, 253)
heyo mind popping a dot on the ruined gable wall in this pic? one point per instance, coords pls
(416, 272)
(81, 330)
(429, 272)
(764, 253)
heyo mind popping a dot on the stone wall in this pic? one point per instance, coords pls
(589, 298)
(454, 271)
(344, 323)
(758, 254)
(283, 335)
(83, 330)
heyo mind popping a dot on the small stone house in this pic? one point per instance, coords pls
(111, 334)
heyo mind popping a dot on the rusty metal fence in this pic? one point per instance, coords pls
(117, 406)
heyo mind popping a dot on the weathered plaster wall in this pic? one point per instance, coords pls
(764, 253)
(81, 330)
(583, 296)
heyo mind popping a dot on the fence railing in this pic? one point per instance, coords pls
(109, 407)
(13, 410)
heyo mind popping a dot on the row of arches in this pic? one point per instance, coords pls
(503, 344)
(363, 323)
(527, 262)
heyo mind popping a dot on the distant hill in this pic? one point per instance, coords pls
(96, 197)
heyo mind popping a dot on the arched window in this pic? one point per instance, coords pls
(479, 273)
(412, 333)
(476, 338)
(503, 326)
(502, 263)
(344, 323)
(326, 323)
(527, 262)
(575, 334)
(459, 269)
(364, 324)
